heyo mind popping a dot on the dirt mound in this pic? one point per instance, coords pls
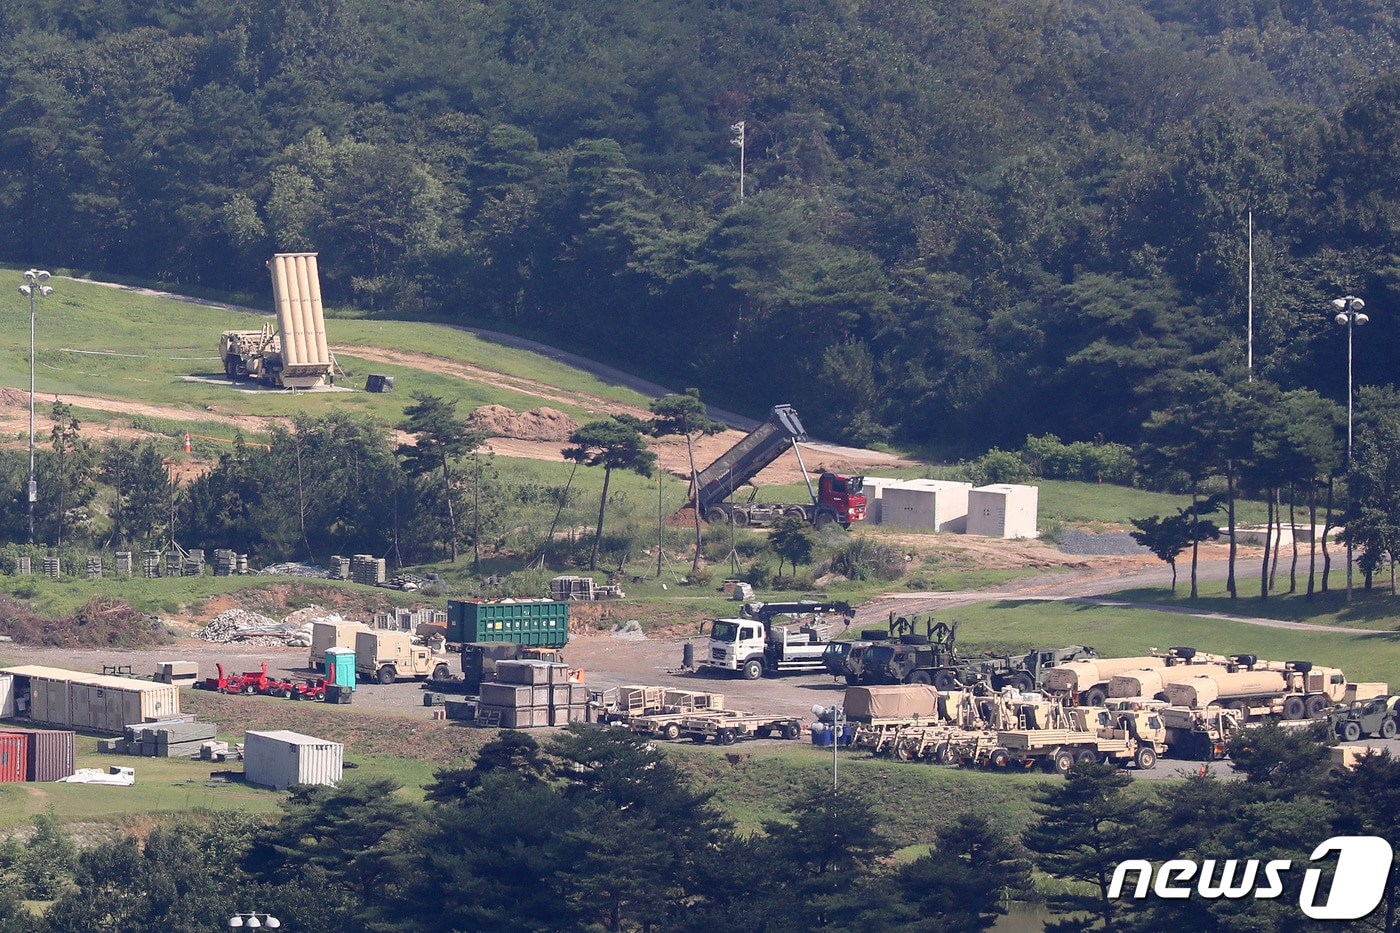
(99, 623)
(537, 424)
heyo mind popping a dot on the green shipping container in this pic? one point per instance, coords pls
(539, 623)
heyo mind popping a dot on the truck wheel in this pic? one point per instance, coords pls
(873, 634)
(441, 672)
(999, 758)
(1294, 708)
(903, 752)
(1350, 730)
(1095, 696)
(1387, 730)
(1023, 682)
(946, 754)
(1062, 762)
(1315, 704)
(1145, 759)
(792, 730)
(671, 731)
(824, 520)
(741, 518)
(387, 674)
(920, 677)
(726, 737)
(716, 517)
(1086, 757)
(945, 680)
(795, 511)
(753, 669)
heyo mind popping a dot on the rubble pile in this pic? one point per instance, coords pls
(294, 569)
(250, 628)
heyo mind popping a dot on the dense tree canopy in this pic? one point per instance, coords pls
(1032, 208)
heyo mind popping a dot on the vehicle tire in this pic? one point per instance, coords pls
(1023, 682)
(1294, 708)
(298, 695)
(764, 732)
(824, 520)
(945, 680)
(387, 674)
(1086, 757)
(741, 518)
(1095, 696)
(792, 731)
(999, 758)
(920, 677)
(1145, 759)
(671, 731)
(903, 752)
(288, 693)
(913, 639)
(1387, 730)
(698, 738)
(873, 634)
(249, 690)
(441, 672)
(752, 669)
(726, 737)
(946, 754)
(716, 517)
(796, 511)
(1062, 762)
(1350, 730)
(1315, 704)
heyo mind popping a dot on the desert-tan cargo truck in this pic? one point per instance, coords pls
(385, 657)
(1089, 734)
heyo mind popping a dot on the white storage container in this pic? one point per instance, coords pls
(281, 758)
(926, 504)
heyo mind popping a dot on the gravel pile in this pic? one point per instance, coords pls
(1113, 543)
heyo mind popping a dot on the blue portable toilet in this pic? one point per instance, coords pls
(340, 667)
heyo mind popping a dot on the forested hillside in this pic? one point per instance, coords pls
(964, 221)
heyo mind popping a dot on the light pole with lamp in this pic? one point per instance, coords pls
(739, 141)
(1350, 316)
(253, 921)
(34, 287)
(837, 714)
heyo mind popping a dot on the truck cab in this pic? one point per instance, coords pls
(737, 645)
(843, 497)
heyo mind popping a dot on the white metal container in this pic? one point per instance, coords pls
(98, 702)
(281, 758)
(1003, 511)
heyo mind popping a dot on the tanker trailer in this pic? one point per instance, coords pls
(1299, 692)
(1149, 682)
(1087, 681)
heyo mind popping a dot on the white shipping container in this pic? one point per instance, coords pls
(927, 504)
(7, 696)
(99, 702)
(281, 758)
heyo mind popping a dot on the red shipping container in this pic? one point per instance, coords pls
(14, 756)
(51, 753)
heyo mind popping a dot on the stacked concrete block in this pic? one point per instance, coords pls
(150, 564)
(23, 566)
(94, 566)
(367, 569)
(52, 567)
(125, 563)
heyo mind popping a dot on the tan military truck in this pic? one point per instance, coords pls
(1299, 691)
(389, 656)
(1087, 734)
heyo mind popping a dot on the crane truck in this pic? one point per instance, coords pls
(755, 644)
(836, 499)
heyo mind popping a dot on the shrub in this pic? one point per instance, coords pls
(864, 559)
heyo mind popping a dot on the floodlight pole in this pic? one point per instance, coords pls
(33, 287)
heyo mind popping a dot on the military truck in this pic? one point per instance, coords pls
(933, 658)
(296, 354)
(1299, 691)
(1087, 734)
(1372, 719)
(389, 656)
